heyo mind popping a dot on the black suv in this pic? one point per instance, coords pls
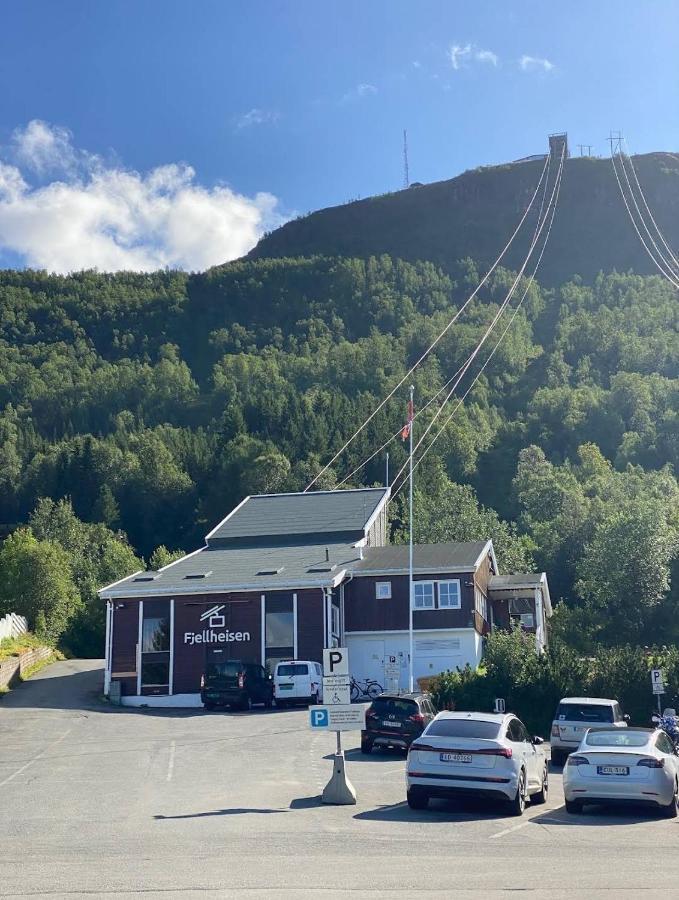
(230, 682)
(395, 720)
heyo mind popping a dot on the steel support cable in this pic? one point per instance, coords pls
(437, 339)
(492, 353)
(667, 262)
(453, 377)
(667, 275)
(671, 252)
(497, 316)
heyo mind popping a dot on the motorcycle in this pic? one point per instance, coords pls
(669, 723)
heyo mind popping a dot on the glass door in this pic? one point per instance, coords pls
(155, 647)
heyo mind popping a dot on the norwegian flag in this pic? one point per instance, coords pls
(405, 432)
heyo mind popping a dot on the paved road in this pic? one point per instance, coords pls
(100, 802)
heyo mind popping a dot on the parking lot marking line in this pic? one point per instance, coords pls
(511, 830)
(170, 762)
(35, 759)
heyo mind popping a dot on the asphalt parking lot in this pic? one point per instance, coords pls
(98, 802)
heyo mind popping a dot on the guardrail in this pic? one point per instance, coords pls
(12, 625)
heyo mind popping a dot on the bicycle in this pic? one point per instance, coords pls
(365, 687)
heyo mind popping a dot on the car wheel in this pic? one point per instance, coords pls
(541, 796)
(208, 706)
(417, 798)
(670, 811)
(366, 746)
(574, 806)
(518, 804)
(246, 703)
(268, 703)
(281, 704)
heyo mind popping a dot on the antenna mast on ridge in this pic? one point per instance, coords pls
(406, 174)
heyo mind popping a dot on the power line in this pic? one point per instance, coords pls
(551, 206)
(439, 337)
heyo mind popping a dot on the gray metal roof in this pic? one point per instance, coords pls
(426, 557)
(314, 512)
(235, 569)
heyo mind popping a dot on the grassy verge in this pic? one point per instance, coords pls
(16, 646)
(32, 670)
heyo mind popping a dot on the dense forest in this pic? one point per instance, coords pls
(136, 410)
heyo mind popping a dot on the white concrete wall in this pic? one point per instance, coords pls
(434, 652)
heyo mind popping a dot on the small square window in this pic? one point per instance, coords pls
(383, 590)
(423, 595)
(449, 595)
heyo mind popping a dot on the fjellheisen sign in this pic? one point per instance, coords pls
(215, 619)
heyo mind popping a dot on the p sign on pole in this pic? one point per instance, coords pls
(657, 681)
(336, 661)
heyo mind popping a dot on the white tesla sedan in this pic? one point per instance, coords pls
(477, 754)
(631, 765)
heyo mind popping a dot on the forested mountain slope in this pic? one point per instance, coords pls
(473, 215)
(156, 402)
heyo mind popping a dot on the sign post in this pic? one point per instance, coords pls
(337, 714)
(658, 685)
(392, 672)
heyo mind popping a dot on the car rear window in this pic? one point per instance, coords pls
(622, 737)
(385, 705)
(463, 728)
(216, 670)
(584, 712)
(288, 670)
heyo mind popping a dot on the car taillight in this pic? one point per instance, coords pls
(202, 681)
(652, 763)
(241, 680)
(507, 752)
(577, 761)
(418, 718)
(555, 730)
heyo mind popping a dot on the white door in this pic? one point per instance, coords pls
(366, 659)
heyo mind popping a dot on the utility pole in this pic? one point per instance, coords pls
(615, 137)
(411, 599)
(406, 174)
(587, 147)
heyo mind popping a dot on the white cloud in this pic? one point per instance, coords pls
(257, 116)
(486, 56)
(535, 63)
(111, 218)
(462, 54)
(360, 92)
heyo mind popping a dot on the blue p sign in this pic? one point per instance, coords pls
(319, 718)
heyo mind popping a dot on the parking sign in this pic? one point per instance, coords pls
(657, 681)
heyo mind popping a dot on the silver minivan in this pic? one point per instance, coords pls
(575, 715)
(297, 681)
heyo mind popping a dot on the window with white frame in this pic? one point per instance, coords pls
(383, 590)
(449, 594)
(423, 595)
(481, 604)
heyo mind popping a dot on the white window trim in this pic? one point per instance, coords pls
(382, 584)
(456, 581)
(433, 595)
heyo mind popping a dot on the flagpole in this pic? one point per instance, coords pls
(411, 667)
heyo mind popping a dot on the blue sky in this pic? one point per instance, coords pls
(285, 106)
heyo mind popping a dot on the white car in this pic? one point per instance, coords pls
(297, 681)
(476, 754)
(575, 715)
(632, 765)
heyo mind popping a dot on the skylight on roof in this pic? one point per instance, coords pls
(147, 576)
(195, 575)
(328, 568)
(271, 571)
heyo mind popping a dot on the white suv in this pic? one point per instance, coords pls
(575, 715)
(477, 754)
(297, 681)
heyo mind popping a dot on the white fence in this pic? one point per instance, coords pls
(12, 626)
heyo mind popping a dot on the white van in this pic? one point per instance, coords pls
(576, 715)
(297, 681)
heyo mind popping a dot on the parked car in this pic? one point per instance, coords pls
(574, 715)
(297, 681)
(231, 682)
(477, 754)
(395, 720)
(635, 765)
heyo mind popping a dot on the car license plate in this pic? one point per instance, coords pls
(391, 724)
(612, 770)
(455, 757)
(286, 687)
